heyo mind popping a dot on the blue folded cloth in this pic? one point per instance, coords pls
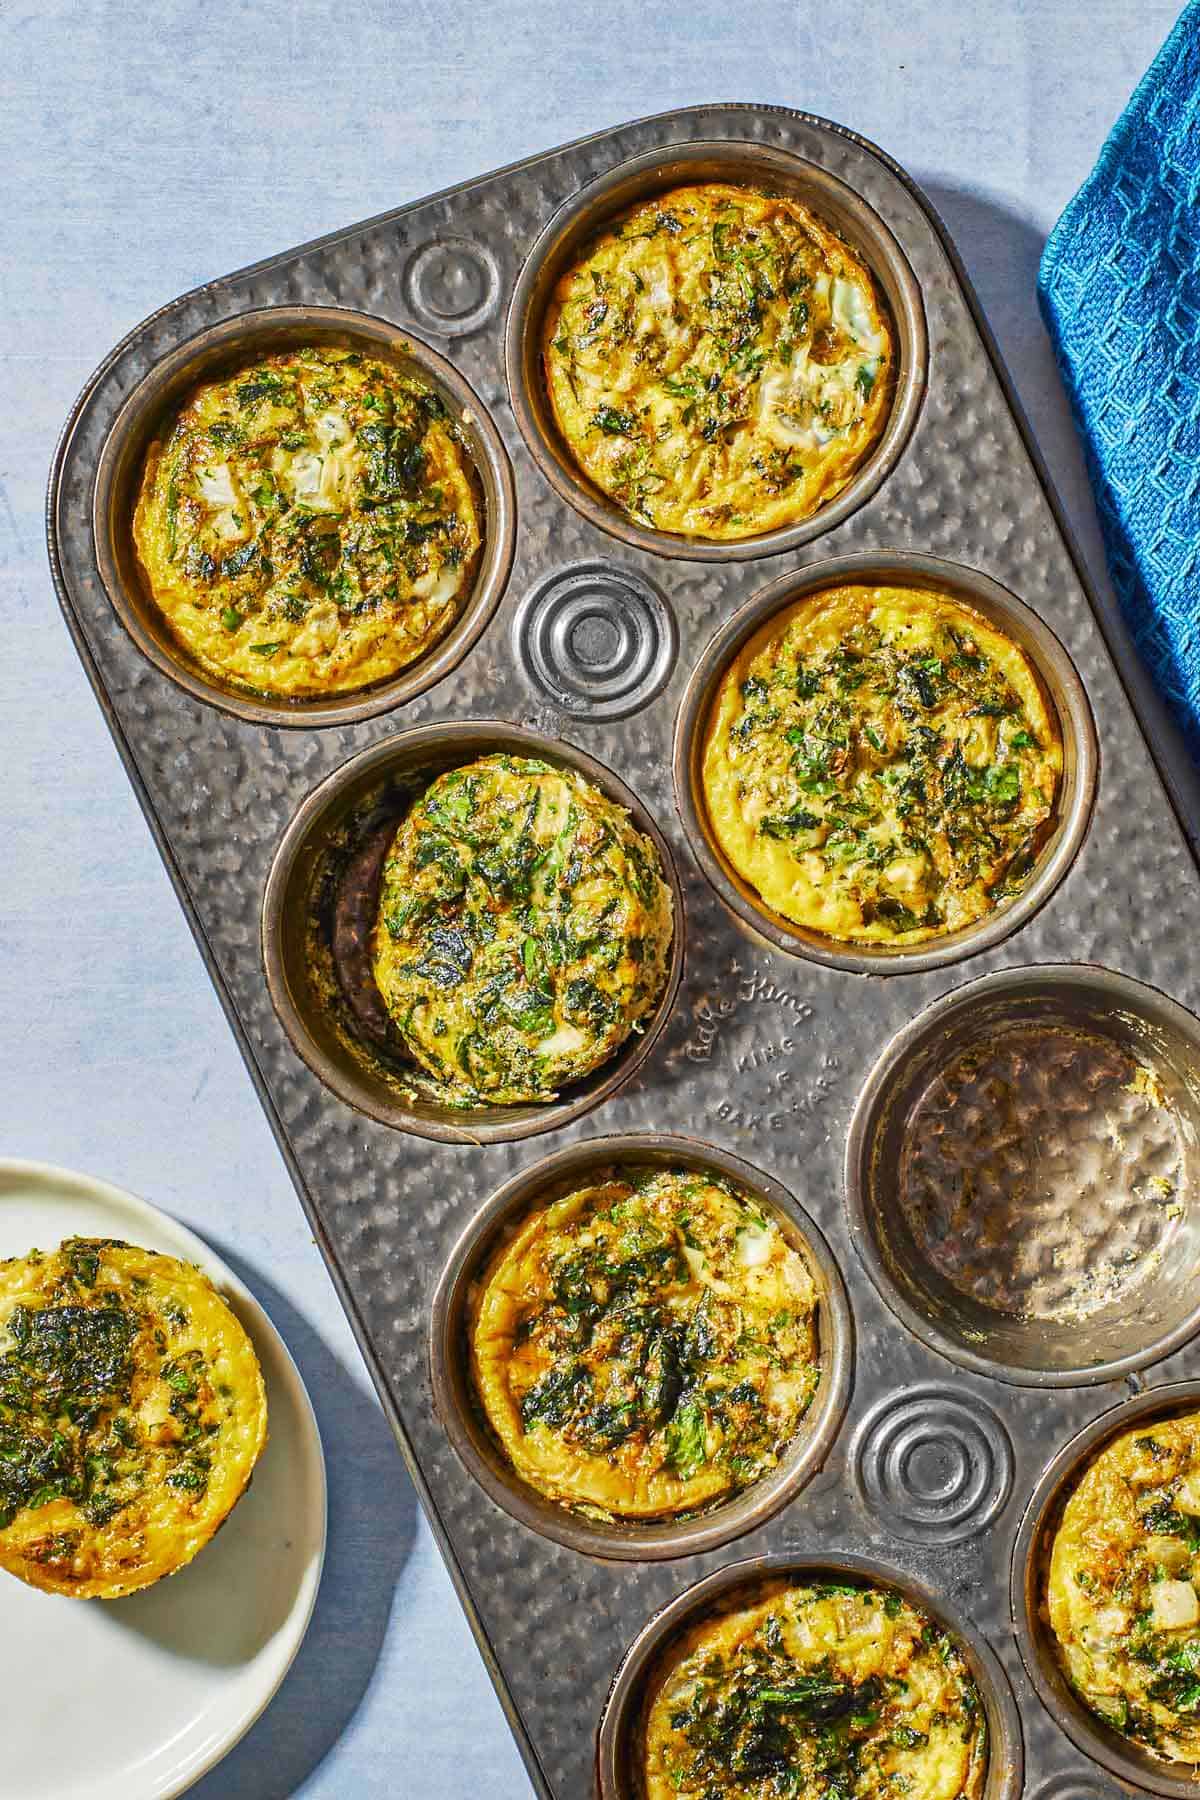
(1120, 292)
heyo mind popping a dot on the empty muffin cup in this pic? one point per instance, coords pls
(1021, 1175)
(753, 165)
(1106, 1746)
(319, 910)
(623, 1723)
(219, 352)
(579, 1166)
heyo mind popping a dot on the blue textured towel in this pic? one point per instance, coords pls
(1120, 290)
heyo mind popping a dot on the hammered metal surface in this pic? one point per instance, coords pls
(765, 1054)
(1041, 1140)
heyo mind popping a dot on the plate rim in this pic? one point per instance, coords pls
(96, 1188)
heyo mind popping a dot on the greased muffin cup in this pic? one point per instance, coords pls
(1104, 1747)
(622, 1721)
(1021, 1175)
(1066, 701)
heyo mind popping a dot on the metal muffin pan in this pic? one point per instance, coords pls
(765, 1053)
(453, 1396)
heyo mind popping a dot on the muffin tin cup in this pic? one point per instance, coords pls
(1060, 683)
(463, 1418)
(1035, 1640)
(676, 165)
(1145, 1325)
(621, 1723)
(217, 352)
(294, 892)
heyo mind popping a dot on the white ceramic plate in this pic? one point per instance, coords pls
(135, 1699)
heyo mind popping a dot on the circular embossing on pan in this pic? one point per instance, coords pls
(933, 1467)
(599, 640)
(1073, 1787)
(453, 285)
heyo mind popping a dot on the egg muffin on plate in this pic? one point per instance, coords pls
(718, 361)
(310, 524)
(132, 1413)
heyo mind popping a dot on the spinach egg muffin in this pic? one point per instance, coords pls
(310, 524)
(814, 1690)
(718, 362)
(1123, 1594)
(881, 765)
(646, 1346)
(132, 1413)
(524, 930)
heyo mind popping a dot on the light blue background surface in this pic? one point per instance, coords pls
(147, 148)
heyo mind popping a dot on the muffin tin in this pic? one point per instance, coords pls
(594, 642)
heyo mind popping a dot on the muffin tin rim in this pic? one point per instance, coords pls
(478, 737)
(658, 1540)
(1123, 990)
(259, 330)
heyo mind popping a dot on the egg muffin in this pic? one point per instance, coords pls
(310, 524)
(646, 1346)
(132, 1413)
(718, 361)
(1123, 1593)
(812, 1690)
(524, 930)
(881, 765)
